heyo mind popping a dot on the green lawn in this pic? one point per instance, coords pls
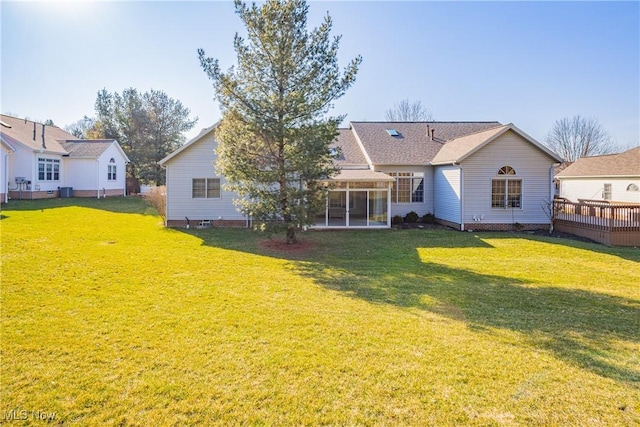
(108, 318)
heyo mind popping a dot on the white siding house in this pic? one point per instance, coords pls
(95, 168)
(613, 177)
(46, 160)
(469, 175)
(506, 179)
(194, 190)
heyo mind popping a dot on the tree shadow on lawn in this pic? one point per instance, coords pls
(575, 325)
(581, 327)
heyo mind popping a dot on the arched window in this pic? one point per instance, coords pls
(112, 160)
(507, 170)
(632, 187)
(506, 192)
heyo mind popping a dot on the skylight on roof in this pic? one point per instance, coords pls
(393, 132)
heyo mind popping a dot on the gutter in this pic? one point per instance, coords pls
(6, 177)
(98, 178)
(461, 196)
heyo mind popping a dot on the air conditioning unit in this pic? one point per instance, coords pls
(20, 179)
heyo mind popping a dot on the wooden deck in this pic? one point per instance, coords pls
(609, 223)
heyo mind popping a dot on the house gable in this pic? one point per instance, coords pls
(458, 149)
(532, 167)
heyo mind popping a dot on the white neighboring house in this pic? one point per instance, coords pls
(469, 175)
(41, 161)
(611, 177)
(96, 168)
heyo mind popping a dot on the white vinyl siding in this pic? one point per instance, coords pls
(593, 188)
(197, 162)
(96, 174)
(481, 169)
(447, 193)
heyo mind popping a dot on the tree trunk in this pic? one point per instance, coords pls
(291, 236)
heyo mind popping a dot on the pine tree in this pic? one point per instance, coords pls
(274, 135)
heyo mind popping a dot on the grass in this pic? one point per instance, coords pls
(108, 318)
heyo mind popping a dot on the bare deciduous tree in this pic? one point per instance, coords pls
(81, 128)
(406, 111)
(577, 137)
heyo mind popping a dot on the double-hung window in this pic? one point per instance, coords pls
(48, 169)
(506, 189)
(408, 187)
(205, 188)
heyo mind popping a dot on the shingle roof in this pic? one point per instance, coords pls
(21, 130)
(351, 154)
(458, 148)
(412, 146)
(622, 164)
(86, 149)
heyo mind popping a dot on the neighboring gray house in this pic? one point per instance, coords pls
(470, 175)
(41, 161)
(194, 191)
(612, 177)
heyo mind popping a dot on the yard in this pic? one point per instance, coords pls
(109, 318)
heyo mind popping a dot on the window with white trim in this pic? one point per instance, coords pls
(408, 187)
(48, 169)
(632, 187)
(111, 170)
(606, 193)
(506, 190)
(205, 188)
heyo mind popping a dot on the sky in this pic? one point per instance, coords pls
(526, 63)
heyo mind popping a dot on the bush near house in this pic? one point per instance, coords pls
(411, 218)
(428, 218)
(157, 197)
(109, 318)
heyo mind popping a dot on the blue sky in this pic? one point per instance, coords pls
(528, 63)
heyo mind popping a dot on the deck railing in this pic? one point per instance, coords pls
(610, 223)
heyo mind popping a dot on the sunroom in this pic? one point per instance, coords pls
(357, 199)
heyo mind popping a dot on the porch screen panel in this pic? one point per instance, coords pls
(377, 208)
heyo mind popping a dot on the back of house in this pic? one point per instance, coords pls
(469, 175)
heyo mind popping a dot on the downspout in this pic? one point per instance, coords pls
(166, 197)
(461, 198)
(6, 178)
(98, 178)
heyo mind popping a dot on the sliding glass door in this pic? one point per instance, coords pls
(355, 207)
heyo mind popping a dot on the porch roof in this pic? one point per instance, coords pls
(361, 175)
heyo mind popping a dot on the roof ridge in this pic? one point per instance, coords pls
(88, 140)
(480, 131)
